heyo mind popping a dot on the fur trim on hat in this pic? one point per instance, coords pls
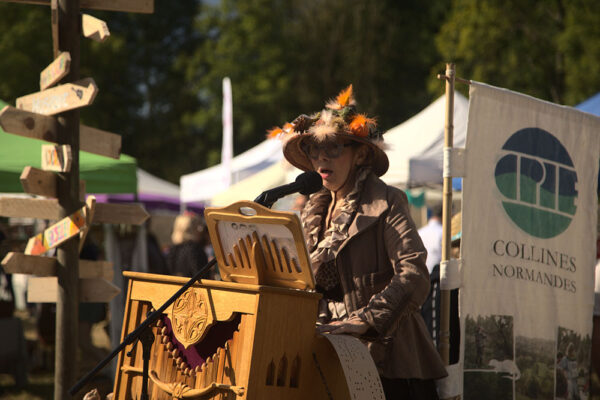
(327, 126)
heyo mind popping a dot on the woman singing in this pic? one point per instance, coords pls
(367, 257)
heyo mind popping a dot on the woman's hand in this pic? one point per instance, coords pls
(353, 325)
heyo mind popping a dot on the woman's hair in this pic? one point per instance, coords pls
(369, 156)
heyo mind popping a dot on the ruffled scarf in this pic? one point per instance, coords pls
(323, 253)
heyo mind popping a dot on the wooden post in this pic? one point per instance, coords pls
(67, 271)
(53, 115)
(444, 346)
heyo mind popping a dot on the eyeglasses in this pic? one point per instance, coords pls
(331, 149)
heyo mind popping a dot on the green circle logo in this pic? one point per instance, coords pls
(537, 179)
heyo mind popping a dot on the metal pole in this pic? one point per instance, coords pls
(447, 215)
(66, 24)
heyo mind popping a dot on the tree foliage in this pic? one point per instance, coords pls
(160, 75)
(247, 42)
(547, 49)
(26, 48)
(143, 93)
(286, 57)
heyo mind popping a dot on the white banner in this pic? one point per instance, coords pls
(528, 247)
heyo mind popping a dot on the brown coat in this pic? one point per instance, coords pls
(384, 280)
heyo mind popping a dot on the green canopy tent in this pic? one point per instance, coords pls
(101, 174)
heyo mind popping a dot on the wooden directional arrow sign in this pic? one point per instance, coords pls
(36, 181)
(133, 214)
(57, 70)
(43, 127)
(100, 142)
(135, 6)
(44, 290)
(107, 213)
(56, 158)
(60, 98)
(29, 208)
(94, 28)
(96, 269)
(28, 124)
(89, 215)
(43, 183)
(19, 263)
(58, 233)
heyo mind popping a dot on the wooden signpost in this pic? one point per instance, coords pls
(105, 213)
(66, 279)
(89, 215)
(19, 263)
(29, 208)
(43, 127)
(43, 183)
(44, 290)
(94, 28)
(28, 124)
(38, 182)
(57, 70)
(56, 234)
(134, 6)
(56, 158)
(100, 142)
(132, 214)
(60, 98)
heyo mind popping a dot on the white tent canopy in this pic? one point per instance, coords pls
(152, 185)
(415, 147)
(280, 173)
(204, 185)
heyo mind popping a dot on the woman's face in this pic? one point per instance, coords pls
(336, 162)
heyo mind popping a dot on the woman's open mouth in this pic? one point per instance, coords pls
(325, 173)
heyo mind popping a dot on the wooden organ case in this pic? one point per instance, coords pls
(249, 336)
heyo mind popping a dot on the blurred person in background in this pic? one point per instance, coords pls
(156, 260)
(13, 352)
(7, 294)
(431, 309)
(431, 235)
(187, 255)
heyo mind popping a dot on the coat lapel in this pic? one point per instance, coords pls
(373, 203)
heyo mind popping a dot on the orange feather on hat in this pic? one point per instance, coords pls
(361, 125)
(344, 99)
(274, 132)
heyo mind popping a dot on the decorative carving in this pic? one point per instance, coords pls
(190, 317)
(179, 390)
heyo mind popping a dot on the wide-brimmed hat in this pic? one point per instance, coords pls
(339, 119)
